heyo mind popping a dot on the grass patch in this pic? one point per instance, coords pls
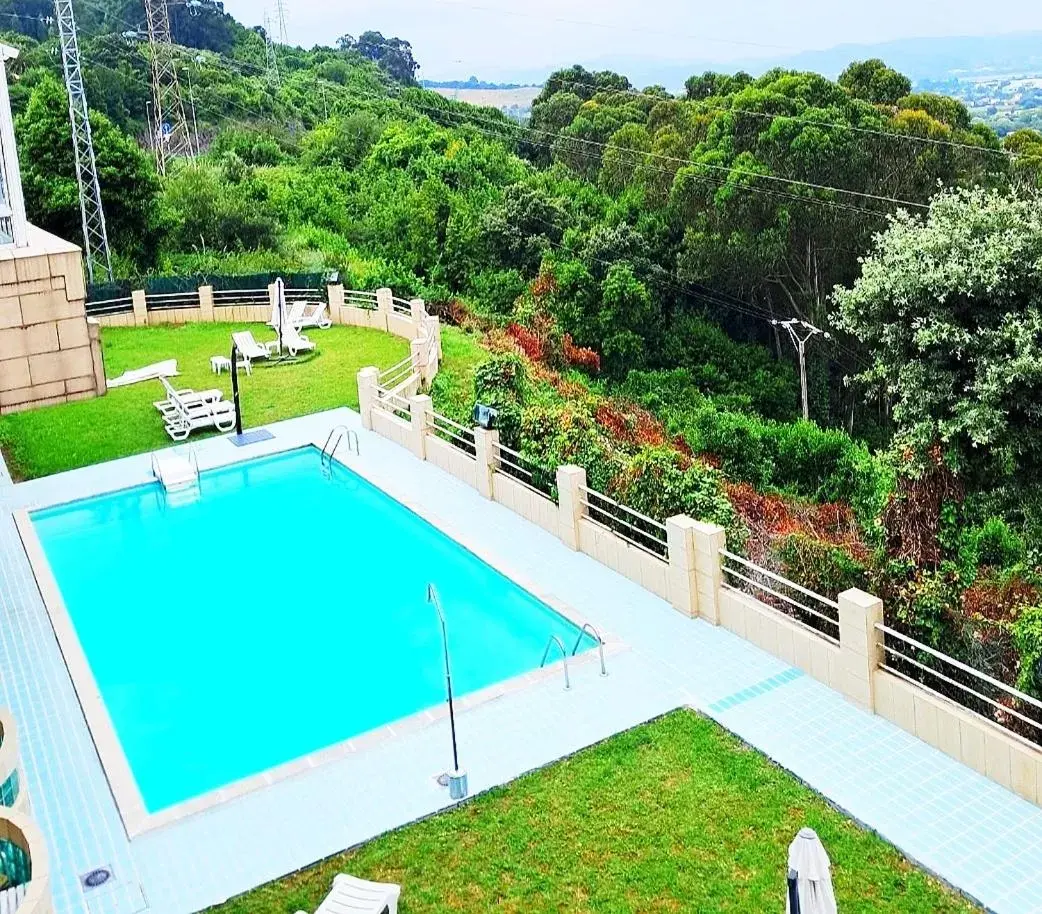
(124, 422)
(676, 815)
(453, 388)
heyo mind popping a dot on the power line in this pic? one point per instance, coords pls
(92, 215)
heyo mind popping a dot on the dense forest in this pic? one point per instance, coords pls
(622, 258)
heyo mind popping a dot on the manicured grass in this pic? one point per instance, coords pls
(676, 815)
(124, 421)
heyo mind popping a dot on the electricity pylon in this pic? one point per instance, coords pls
(172, 136)
(280, 8)
(801, 333)
(95, 234)
(272, 57)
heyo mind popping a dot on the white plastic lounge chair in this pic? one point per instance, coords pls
(195, 416)
(358, 896)
(165, 369)
(168, 407)
(311, 314)
(249, 348)
(295, 341)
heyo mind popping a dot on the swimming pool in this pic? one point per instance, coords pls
(280, 612)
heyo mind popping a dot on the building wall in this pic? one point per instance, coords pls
(49, 351)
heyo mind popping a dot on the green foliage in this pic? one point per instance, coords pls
(875, 82)
(1027, 638)
(929, 604)
(342, 141)
(819, 566)
(941, 108)
(502, 383)
(951, 308)
(995, 545)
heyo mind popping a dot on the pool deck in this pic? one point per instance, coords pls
(975, 834)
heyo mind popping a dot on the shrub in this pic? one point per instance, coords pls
(502, 383)
(1027, 638)
(496, 290)
(818, 566)
(996, 545)
(929, 606)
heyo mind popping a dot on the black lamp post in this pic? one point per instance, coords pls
(235, 389)
(456, 779)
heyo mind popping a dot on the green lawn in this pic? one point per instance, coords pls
(677, 815)
(124, 421)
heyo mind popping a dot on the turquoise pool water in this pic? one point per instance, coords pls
(281, 612)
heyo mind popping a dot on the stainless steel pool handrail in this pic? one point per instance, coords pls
(588, 627)
(345, 432)
(564, 656)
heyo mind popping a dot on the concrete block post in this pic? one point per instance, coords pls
(140, 308)
(384, 307)
(96, 355)
(860, 645)
(206, 303)
(683, 566)
(486, 452)
(421, 408)
(335, 297)
(418, 312)
(368, 379)
(418, 352)
(571, 503)
(709, 539)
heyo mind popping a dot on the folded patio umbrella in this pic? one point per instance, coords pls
(810, 863)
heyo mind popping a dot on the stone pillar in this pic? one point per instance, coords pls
(421, 408)
(683, 565)
(571, 504)
(418, 312)
(367, 384)
(486, 451)
(436, 323)
(140, 308)
(206, 304)
(335, 297)
(418, 353)
(709, 539)
(96, 355)
(384, 307)
(860, 645)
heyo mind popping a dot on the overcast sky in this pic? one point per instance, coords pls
(494, 38)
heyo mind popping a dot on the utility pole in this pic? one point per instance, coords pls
(173, 138)
(801, 333)
(273, 60)
(280, 8)
(95, 234)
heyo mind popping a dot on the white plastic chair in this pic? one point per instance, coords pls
(351, 895)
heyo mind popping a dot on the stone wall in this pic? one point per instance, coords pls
(49, 351)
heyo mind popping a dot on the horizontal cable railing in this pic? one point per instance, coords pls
(227, 298)
(168, 300)
(538, 478)
(391, 402)
(777, 592)
(401, 306)
(365, 300)
(976, 691)
(109, 306)
(637, 529)
(459, 436)
(397, 374)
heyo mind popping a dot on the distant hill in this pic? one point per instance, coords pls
(473, 83)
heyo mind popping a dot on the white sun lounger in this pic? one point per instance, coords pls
(168, 407)
(249, 349)
(186, 415)
(166, 369)
(311, 314)
(295, 341)
(350, 895)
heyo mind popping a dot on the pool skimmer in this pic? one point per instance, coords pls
(96, 878)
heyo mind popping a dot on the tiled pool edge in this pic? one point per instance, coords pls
(137, 821)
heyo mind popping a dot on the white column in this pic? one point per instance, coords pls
(709, 539)
(384, 306)
(421, 408)
(683, 570)
(367, 384)
(571, 480)
(486, 451)
(140, 307)
(860, 645)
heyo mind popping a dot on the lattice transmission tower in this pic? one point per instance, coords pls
(172, 137)
(280, 9)
(95, 234)
(272, 57)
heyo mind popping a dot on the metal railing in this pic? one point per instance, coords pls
(110, 306)
(166, 301)
(228, 298)
(978, 692)
(401, 306)
(391, 402)
(459, 436)
(539, 479)
(635, 528)
(365, 300)
(775, 591)
(397, 374)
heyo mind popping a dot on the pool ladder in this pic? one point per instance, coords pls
(341, 432)
(556, 641)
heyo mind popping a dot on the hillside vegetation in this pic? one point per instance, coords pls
(622, 257)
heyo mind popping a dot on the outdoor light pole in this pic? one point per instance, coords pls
(457, 779)
(235, 389)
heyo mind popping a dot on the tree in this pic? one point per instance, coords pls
(129, 186)
(393, 55)
(950, 308)
(875, 82)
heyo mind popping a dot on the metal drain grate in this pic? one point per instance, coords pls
(96, 878)
(251, 437)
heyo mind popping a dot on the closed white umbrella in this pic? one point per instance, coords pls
(810, 863)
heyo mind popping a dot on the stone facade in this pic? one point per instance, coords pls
(49, 351)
